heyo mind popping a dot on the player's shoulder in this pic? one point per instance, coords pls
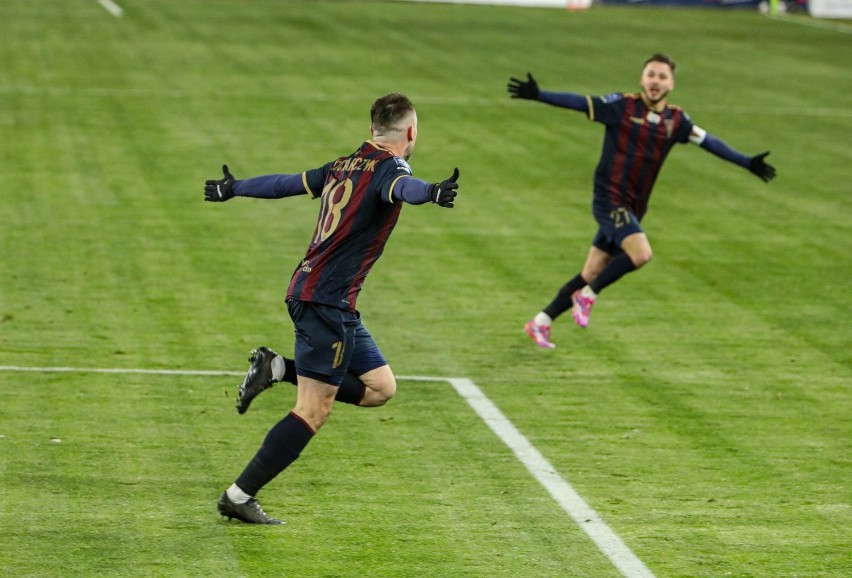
(676, 110)
(401, 165)
(612, 97)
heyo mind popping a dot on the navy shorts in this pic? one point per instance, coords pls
(613, 227)
(331, 342)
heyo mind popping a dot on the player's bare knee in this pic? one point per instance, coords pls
(642, 258)
(383, 390)
(315, 414)
(381, 385)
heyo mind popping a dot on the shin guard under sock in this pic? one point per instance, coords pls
(620, 266)
(282, 446)
(563, 302)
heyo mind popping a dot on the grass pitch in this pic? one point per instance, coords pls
(705, 413)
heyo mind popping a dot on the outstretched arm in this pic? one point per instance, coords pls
(756, 164)
(271, 187)
(416, 192)
(265, 187)
(529, 90)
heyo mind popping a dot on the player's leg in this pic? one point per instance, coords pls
(538, 328)
(638, 248)
(375, 377)
(282, 446)
(636, 253)
(619, 248)
(380, 386)
(324, 342)
(596, 261)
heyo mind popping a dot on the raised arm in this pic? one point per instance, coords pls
(529, 90)
(757, 164)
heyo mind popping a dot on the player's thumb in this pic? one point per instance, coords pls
(455, 176)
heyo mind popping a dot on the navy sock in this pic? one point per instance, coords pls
(562, 302)
(289, 371)
(282, 446)
(351, 390)
(617, 268)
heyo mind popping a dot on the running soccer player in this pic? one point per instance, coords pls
(336, 358)
(640, 130)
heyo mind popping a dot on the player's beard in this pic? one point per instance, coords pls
(660, 97)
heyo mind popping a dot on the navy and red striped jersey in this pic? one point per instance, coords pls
(355, 220)
(636, 142)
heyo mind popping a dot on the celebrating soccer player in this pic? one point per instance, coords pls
(336, 358)
(640, 131)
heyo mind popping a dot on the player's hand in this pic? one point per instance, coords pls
(761, 168)
(444, 193)
(221, 190)
(520, 89)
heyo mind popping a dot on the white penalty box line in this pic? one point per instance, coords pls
(607, 541)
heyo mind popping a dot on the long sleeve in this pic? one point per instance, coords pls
(570, 100)
(718, 147)
(411, 190)
(271, 186)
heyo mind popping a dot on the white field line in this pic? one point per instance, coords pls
(112, 8)
(602, 535)
(568, 499)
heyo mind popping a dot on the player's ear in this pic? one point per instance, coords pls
(411, 132)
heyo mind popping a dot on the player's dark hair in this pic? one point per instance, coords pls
(660, 57)
(388, 110)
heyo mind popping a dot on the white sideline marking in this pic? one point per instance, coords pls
(112, 8)
(607, 541)
(116, 370)
(592, 524)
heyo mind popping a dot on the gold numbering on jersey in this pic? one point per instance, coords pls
(337, 346)
(335, 196)
(621, 217)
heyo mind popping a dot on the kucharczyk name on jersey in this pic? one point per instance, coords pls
(354, 164)
(369, 165)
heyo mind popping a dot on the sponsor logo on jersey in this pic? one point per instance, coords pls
(614, 97)
(402, 164)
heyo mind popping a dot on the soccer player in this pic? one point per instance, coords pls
(336, 358)
(640, 130)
